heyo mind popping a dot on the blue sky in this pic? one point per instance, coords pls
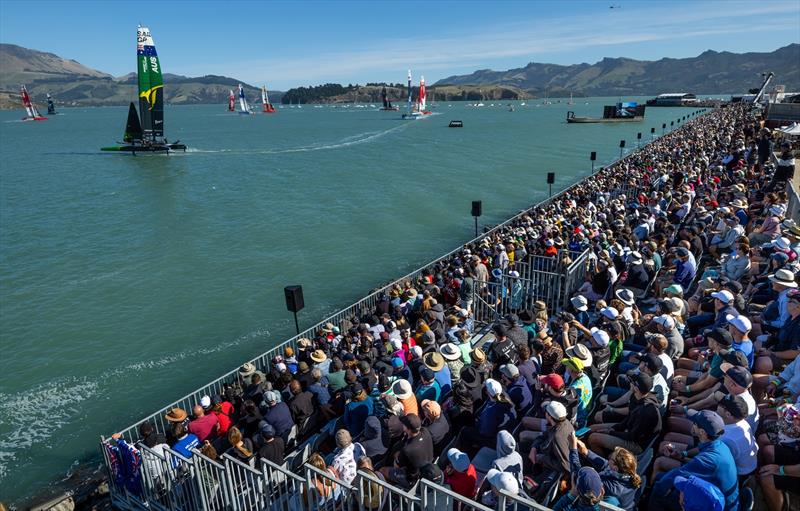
(286, 44)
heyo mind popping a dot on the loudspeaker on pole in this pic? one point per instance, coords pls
(294, 298)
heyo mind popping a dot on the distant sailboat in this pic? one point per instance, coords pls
(411, 113)
(244, 108)
(51, 107)
(231, 102)
(33, 113)
(570, 102)
(387, 105)
(422, 97)
(268, 108)
(145, 132)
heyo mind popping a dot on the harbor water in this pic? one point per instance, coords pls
(126, 282)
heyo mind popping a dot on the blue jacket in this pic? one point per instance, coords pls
(520, 393)
(280, 417)
(615, 484)
(445, 379)
(355, 414)
(494, 417)
(715, 464)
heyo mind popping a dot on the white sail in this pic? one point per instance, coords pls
(264, 98)
(422, 98)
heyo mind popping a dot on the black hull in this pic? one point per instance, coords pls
(149, 148)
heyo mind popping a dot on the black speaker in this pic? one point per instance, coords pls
(621, 144)
(672, 123)
(294, 298)
(551, 178)
(652, 130)
(477, 208)
(593, 156)
(639, 135)
(663, 126)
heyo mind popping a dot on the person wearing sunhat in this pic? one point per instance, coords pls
(713, 462)
(581, 385)
(246, 372)
(435, 362)
(453, 357)
(775, 315)
(405, 395)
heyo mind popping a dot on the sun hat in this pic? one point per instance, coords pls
(402, 389)
(699, 494)
(478, 356)
(741, 323)
(510, 371)
(318, 356)
(581, 352)
(434, 361)
(626, 295)
(458, 459)
(781, 243)
(589, 483)
(450, 351)
(470, 377)
(539, 305)
(493, 387)
(783, 277)
(503, 481)
(777, 210)
(675, 289)
(610, 312)
(723, 296)
(247, 369)
(327, 328)
(304, 343)
(573, 363)
(708, 421)
(579, 302)
(176, 415)
(556, 410)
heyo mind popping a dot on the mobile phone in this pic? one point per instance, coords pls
(581, 432)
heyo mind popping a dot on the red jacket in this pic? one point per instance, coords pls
(463, 483)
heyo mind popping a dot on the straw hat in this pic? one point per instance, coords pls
(402, 389)
(434, 361)
(247, 369)
(176, 415)
(783, 277)
(450, 351)
(478, 356)
(319, 356)
(581, 352)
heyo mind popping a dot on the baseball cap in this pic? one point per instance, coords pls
(722, 336)
(553, 380)
(666, 321)
(579, 302)
(740, 375)
(600, 336)
(699, 494)
(741, 323)
(458, 459)
(653, 362)
(556, 410)
(205, 402)
(723, 296)
(643, 382)
(588, 482)
(675, 289)
(708, 421)
(493, 387)
(736, 358)
(266, 429)
(503, 481)
(735, 405)
(609, 312)
(509, 371)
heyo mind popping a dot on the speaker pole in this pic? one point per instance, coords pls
(296, 324)
(593, 157)
(621, 147)
(477, 210)
(551, 178)
(294, 302)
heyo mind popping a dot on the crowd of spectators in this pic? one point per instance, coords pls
(670, 383)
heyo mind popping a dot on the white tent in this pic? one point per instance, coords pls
(793, 129)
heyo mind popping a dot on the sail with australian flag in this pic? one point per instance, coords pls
(244, 108)
(148, 136)
(51, 107)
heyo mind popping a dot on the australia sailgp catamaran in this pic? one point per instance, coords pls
(244, 108)
(387, 105)
(411, 112)
(33, 113)
(268, 108)
(145, 132)
(51, 107)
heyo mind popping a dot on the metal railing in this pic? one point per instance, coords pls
(171, 481)
(438, 498)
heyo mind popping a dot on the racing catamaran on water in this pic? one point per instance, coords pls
(231, 102)
(422, 106)
(387, 105)
(145, 132)
(244, 108)
(268, 108)
(51, 107)
(33, 113)
(411, 113)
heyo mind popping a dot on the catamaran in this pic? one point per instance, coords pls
(268, 108)
(244, 108)
(387, 105)
(231, 102)
(33, 113)
(422, 99)
(145, 132)
(51, 107)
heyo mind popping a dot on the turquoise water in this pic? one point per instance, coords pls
(126, 282)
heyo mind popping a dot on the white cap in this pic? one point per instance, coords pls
(548, 242)
(723, 296)
(397, 344)
(580, 303)
(741, 323)
(510, 371)
(503, 481)
(493, 387)
(609, 312)
(666, 321)
(205, 402)
(600, 336)
(556, 410)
